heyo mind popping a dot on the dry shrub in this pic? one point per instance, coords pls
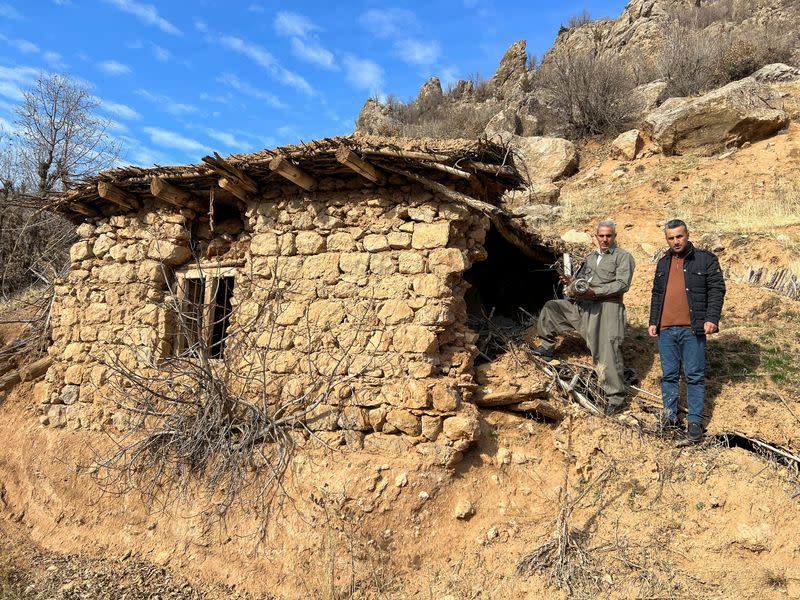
(446, 119)
(694, 59)
(208, 424)
(588, 92)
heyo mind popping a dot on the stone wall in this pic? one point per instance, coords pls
(357, 293)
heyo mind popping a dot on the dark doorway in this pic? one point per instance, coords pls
(509, 280)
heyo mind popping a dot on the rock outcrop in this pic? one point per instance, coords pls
(741, 111)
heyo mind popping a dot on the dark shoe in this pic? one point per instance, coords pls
(613, 409)
(694, 433)
(542, 352)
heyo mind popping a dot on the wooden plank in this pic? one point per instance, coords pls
(236, 176)
(108, 191)
(35, 370)
(353, 161)
(296, 175)
(170, 194)
(233, 188)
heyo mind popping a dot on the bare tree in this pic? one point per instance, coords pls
(57, 139)
(61, 137)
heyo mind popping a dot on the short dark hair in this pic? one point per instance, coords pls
(674, 224)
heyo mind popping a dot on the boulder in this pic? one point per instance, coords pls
(544, 158)
(375, 119)
(512, 70)
(627, 145)
(644, 98)
(574, 236)
(776, 73)
(506, 121)
(430, 94)
(739, 112)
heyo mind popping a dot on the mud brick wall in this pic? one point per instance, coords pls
(359, 292)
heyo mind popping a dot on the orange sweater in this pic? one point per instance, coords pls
(676, 303)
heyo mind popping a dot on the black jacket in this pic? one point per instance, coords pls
(705, 288)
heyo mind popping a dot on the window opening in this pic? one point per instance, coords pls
(204, 301)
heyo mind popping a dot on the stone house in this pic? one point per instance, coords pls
(333, 277)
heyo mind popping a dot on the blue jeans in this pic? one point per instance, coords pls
(678, 346)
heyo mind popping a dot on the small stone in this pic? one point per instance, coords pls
(503, 457)
(424, 495)
(464, 509)
(401, 480)
(492, 534)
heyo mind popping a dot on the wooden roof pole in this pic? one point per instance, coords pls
(296, 175)
(233, 175)
(173, 195)
(500, 218)
(352, 161)
(108, 191)
(233, 188)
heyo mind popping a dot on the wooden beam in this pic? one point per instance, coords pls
(447, 169)
(296, 175)
(81, 209)
(479, 205)
(353, 161)
(108, 191)
(170, 194)
(226, 170)
(488, 168)
(500, 218)
(409, 154)
(232, 188)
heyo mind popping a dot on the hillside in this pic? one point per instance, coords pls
(578, 507)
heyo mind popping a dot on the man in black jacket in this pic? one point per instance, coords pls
(688, 291)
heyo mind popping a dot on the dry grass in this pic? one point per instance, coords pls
(737, 209)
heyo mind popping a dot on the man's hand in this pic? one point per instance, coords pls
(566, 279)
(589, 294)
(652, 331)
(709, 327)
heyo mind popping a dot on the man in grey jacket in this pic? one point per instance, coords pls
(598, 314)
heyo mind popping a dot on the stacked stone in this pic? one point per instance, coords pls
(356, 295)
(371, 285)
(108, 310)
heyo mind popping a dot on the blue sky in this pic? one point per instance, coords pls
(180, 79)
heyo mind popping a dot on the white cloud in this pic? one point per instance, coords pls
(228, 139)
(112, 67)
(218, 98)
(146, 13)
(63, 2)
(25, 46)
(116, 126)
(256, 8)
(247, 89)
(13, 79)
(313, 53)
(161, 54)
(449, 76)
(262, 57)
(5, 125)
(9, 12)
(364, 73)
(416, 52)
(200, 25)
(54, 58)
(123, 111)
(170, 139)
(167, 103)
(389, 22)
(288, 23)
